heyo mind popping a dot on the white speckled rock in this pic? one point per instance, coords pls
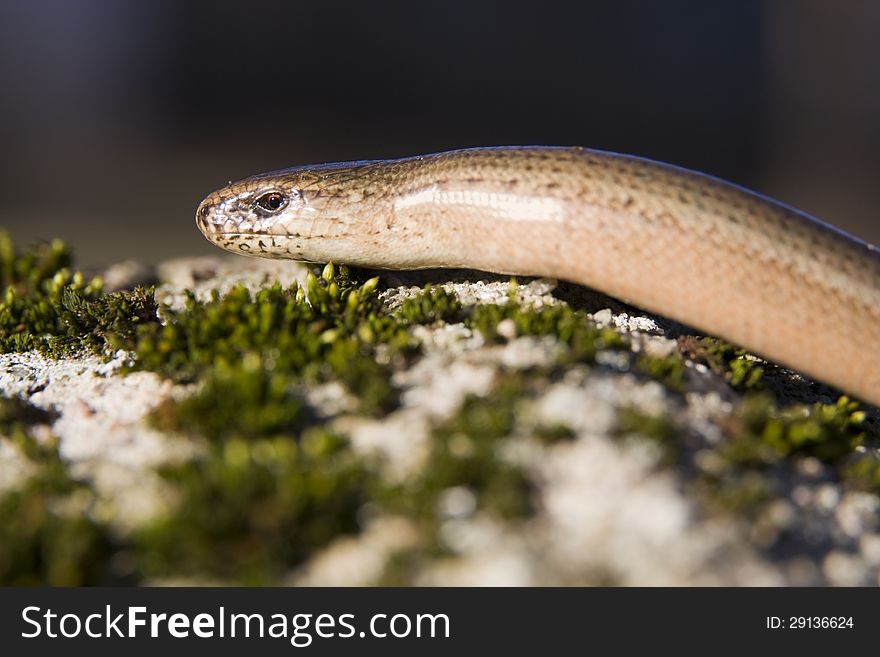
(100, 424)
(608, 510)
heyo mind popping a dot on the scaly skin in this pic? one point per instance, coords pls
(694, 248)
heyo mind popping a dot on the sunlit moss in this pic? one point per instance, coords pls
(274, 485)
(433, 304)
(327, 330)
(734, 363)
(44, 306)
(765, 434)
(759, 439)
(244, 401)
(572, 328)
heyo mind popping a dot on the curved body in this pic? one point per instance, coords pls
(679, 243)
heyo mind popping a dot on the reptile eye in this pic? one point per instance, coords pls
(272, 201)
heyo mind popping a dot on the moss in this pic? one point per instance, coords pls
(466, 451)
(103, 325)
(17, 417)
(40, 544)
(433, 305)
(668, 370)
(17, 414)
(862, 471)
(742, 493)
(328, 330)
(730, 361)
(41, 541)
(31, 269)
(401, 568)
(760, 439)
(765, 434)
(581, 337)
(285, 486)
(555, 433)
(251, 353)
(658, 428)
(274, 485)
(251, 510)
(46, 307)
(243, 401)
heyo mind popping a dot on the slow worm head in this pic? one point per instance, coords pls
(694, 248)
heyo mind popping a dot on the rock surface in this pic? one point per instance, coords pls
(608, 510)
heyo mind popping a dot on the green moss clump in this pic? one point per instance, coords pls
(17, 415)
(862, 471)
(433, 305)
(328, 330)
(103, 325)
(465, 451)
(668, 370)
(658, 428)
(582, 338)
(251, 510)
(46, 307)
(764, 438)
(243, 401)
(733, 363)
(41, 542)
(766, 435)
(743, 493)
(30, 270)
(43, 545)
(550, 434)
(761, 439)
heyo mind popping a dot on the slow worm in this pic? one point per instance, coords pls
(702, 251)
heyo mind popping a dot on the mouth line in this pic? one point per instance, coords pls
(211, 235)
(236, 234)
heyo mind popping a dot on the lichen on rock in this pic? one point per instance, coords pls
(251, 421)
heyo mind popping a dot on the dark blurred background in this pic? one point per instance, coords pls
(117, 117)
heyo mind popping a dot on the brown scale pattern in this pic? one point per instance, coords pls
(702, 251)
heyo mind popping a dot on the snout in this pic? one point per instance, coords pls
(204, 214)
